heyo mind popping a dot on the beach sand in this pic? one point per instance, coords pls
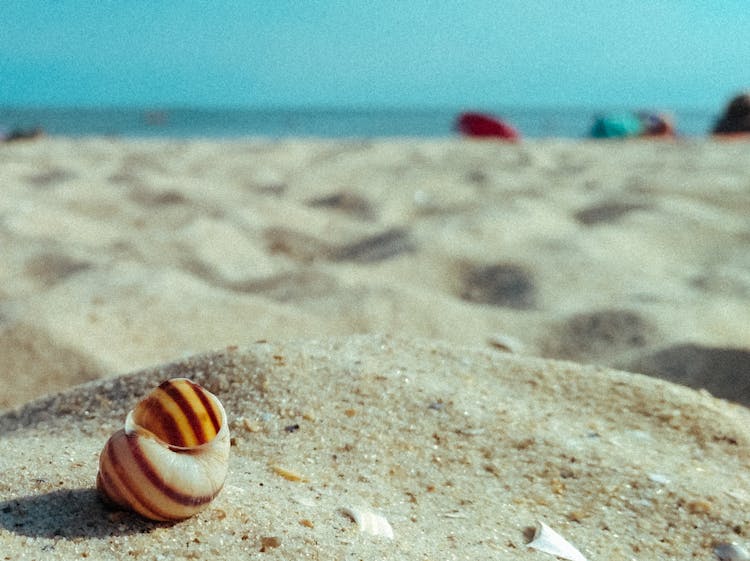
(402, 302)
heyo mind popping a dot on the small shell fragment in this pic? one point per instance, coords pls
(659, 478)
(369, 522)
(288, 474)
(249, 425)
(505, 343)
(547, 540)
(731, 552)
(699, 507)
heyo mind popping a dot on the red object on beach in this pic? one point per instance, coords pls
(482, 125)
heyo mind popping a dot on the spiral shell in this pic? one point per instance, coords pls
(171, 458)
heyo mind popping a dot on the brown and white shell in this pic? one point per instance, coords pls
(171, 458)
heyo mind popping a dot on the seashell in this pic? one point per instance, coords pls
(549, 541)
(171, 458)
(731, 552)
(369, 522)
(505, 343)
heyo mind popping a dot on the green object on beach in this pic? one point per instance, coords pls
(617, 126)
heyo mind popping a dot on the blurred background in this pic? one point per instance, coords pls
(354, 68)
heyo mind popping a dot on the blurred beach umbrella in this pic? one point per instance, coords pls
(487, 126)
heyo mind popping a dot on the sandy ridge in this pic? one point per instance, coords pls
(461, 449)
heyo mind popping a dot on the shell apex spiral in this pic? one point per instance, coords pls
(170, 460)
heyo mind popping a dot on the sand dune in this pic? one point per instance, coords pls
(462, 450)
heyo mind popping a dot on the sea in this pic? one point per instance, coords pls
(183, 123)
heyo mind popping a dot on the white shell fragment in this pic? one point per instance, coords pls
(505, 343)
(659, 478)
(547, 540)
(369, 522)
(731, 552)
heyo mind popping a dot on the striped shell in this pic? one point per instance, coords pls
(171, 458)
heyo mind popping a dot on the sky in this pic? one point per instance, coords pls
(373, 53)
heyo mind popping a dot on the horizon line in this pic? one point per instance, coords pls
(354, 108)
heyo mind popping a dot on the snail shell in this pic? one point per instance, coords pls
(171, 458)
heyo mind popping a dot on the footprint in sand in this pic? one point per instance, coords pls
(347, 203)
(502, 284)
(609, 211)
(598, 335)
(51, 268)
(50, 178)
(150, 199)
(370, 249)
(724, 372)
(378, 247)
(284, 287)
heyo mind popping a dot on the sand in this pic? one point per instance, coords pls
(403, 303)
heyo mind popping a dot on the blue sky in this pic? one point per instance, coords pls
(373, 53)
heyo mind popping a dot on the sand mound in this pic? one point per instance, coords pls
(462, 450)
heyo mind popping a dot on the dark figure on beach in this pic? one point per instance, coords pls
(21, 134)
(656, 124)
(736, 117)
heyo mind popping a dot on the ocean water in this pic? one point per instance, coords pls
(237, 123)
